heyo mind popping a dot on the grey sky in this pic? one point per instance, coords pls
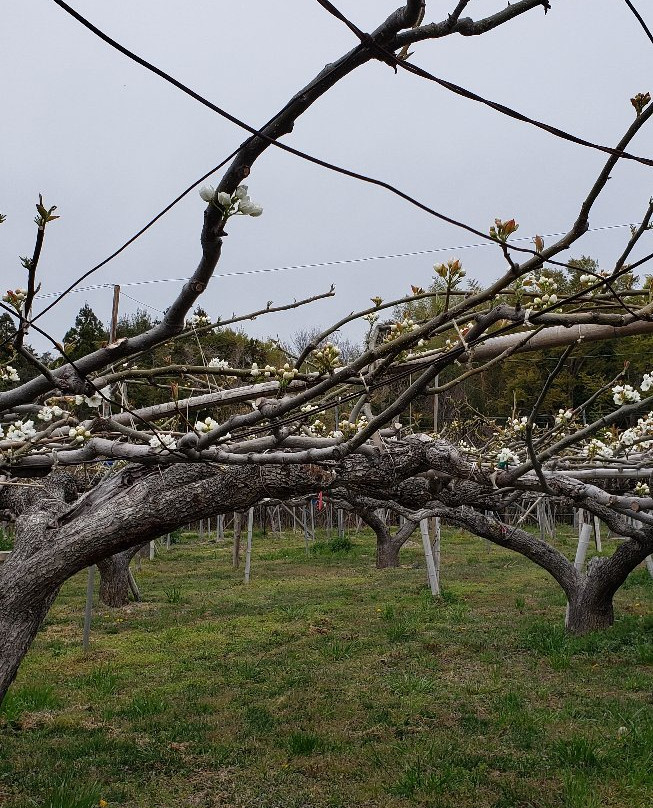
(111, 144)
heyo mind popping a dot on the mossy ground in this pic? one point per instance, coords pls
(325, 683)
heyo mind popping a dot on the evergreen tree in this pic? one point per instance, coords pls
(86, 335)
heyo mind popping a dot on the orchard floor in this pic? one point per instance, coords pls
(325, 683)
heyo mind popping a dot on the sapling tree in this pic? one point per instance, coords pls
(269, 430)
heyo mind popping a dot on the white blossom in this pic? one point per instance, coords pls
(224, 200)
(642, 490)
(48, 413)
(9, 374)
(505, 457)
(163, 442)
(206, 425)
(625, 394)
(249, 208)
(79, 434)
(220, 364)
(563, 416)
(597, 447)
(21, 430)
(647, 382)
(207, 192)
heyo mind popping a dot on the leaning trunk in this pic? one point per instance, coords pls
(17, 632)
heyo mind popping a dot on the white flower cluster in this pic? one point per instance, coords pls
(347, 429)
(544, 288)
(625, 394)
(420, 349)
(636, 434)
(15, 298)
(196, 320)
(588, 280)
(21, 430)
(642, 490)
(238, 202)
(95, 400)
(285, 373)
(9, 374)
(206, 425)
(563, 417)
(647, 382)
(163, 443)
(506, 457)
(318, 428)
(308, 408)
(79, 434)
(517, 425)
(220, 364)
(401, 327)
(327, 358)
(597, 448)
(48, 413)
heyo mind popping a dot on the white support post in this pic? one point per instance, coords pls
(436, 548)
(597, 534)
(428, 555)
(649, 565)
(248, 555)
(583, 544)
(152, 550)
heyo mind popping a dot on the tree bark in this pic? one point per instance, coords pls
(17, 632)
(587, 613)
(114, 578)
(387, 554)
(387, 545)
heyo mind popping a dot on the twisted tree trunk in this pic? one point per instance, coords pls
(387, 544)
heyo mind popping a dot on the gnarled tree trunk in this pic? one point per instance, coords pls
(387, 544)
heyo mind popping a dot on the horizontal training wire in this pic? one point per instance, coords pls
(323, 264)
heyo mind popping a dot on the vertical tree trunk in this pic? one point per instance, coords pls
(114, 578)
(585, 614)
(387, 554)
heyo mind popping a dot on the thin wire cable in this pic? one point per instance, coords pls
(369, 42)
(141, 303)
(640, 20)
(322, 264)
(133, 238)
(323, 163)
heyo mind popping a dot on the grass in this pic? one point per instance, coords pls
(325, 683)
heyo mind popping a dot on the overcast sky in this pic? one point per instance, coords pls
(111, 144)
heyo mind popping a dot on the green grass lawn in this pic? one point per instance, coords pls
(325, 682)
